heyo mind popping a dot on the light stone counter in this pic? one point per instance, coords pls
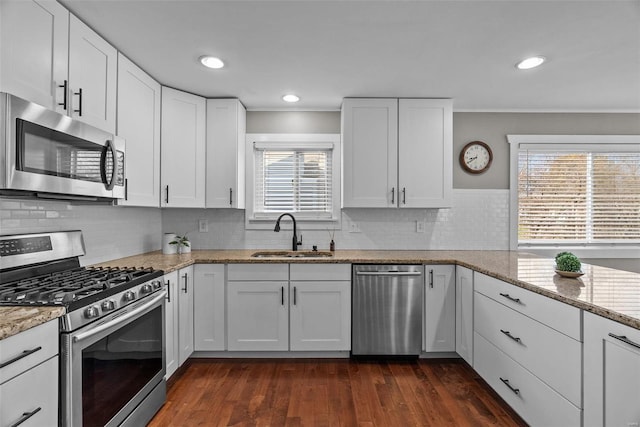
(14, 320)
(613, 294)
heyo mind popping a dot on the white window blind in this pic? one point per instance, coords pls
(293, 180)
(576, 196)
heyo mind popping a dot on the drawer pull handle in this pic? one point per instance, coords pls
(514, 390)
(20, 356)
(507, 333)
(510, 298)
(624, 339)
(25, 416)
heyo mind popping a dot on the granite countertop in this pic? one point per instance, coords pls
(614, 294)
(14, 320)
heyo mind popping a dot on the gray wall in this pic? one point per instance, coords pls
(491, 128)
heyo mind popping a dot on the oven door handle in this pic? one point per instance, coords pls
(143, 309)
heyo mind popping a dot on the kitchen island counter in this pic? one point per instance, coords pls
(614, 294)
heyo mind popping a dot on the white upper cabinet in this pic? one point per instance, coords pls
(34, 46)
(51, 58)
(226, 129)
(139, 125)
(397, 153)
(370, 153)
(183, 149)
(425, 153)
(92, 77)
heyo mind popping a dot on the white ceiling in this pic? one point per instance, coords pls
(326, 50)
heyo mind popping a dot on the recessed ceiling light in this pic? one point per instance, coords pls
(211, 62)
(291, 98)
(531, 62)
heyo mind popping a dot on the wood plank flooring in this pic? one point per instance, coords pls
(331, 392)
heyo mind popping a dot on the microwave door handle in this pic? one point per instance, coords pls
(103, 165)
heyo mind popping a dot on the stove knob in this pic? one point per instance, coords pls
(156, 284)
(146, 289)
(92, 312)
(129, 296)
(108, 305)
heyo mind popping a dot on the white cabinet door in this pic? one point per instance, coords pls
(464, 313)
(185, 313)
(226, 129)
(92, 77)
(320, 316)
(139, 125)
(182, 149)
(370, 147)
(31, 398)
(34, 47)
(171, 322)
(440, 308)
(424, 153)
(611, 373)
(258, 316)
(209, 307)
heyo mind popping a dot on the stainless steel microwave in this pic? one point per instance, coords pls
(47, 154)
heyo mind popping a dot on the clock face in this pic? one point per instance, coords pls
(476, 157)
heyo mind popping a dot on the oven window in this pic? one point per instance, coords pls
(117, 367)
(49, 152)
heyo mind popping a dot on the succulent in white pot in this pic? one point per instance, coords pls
(183, 244)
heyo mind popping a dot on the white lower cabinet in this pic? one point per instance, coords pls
(611, 373)
(171, 322)
(320, 307)
(185, 314)
(29, 377)
(531, 398)
(209, 308)
(440, 308)
(312, 312)
(464, 313)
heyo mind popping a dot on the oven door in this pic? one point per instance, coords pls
(113, 370)
(47, 152)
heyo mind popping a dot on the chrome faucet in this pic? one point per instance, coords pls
(295, 236)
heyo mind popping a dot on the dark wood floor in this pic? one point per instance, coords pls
(334, 392)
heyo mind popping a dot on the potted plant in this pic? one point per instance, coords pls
(183, 244)
(568, 265)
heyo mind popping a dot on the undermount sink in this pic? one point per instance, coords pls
(291, 254)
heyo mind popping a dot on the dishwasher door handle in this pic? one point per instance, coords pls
(388, 273)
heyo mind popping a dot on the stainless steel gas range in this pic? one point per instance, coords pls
(112, 338)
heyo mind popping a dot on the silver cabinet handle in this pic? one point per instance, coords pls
(168, 285)
(624, 339)
(404, 196)
(513, 389)
(79, 110)
(25, 416)
(230, 196)
(507, 333)
(166, 200)
(294, 296)
(510, 298)
(22, 355)
(65, 87)
(431, 278)
(393, 195)
(388, 273)
(281, 295)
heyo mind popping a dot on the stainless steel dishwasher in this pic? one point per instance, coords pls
(387, 310)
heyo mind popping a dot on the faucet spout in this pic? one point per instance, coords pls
(295, 242)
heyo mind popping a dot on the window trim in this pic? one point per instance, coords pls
(293, 140)
(601, 143)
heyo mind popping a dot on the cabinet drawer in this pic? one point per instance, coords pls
(534, 401)
(320, 271)
(24, 394)
(556, 315)
(258, 272)
(551, 356)
(36, 344)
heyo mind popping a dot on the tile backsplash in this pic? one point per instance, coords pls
(479, 219)
(109, 231)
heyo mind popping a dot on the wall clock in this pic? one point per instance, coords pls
(476, 157)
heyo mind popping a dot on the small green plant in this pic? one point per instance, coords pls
(180, 241)
(567, 261)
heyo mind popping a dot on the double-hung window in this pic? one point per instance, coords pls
(294, 174)
(575, 191)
